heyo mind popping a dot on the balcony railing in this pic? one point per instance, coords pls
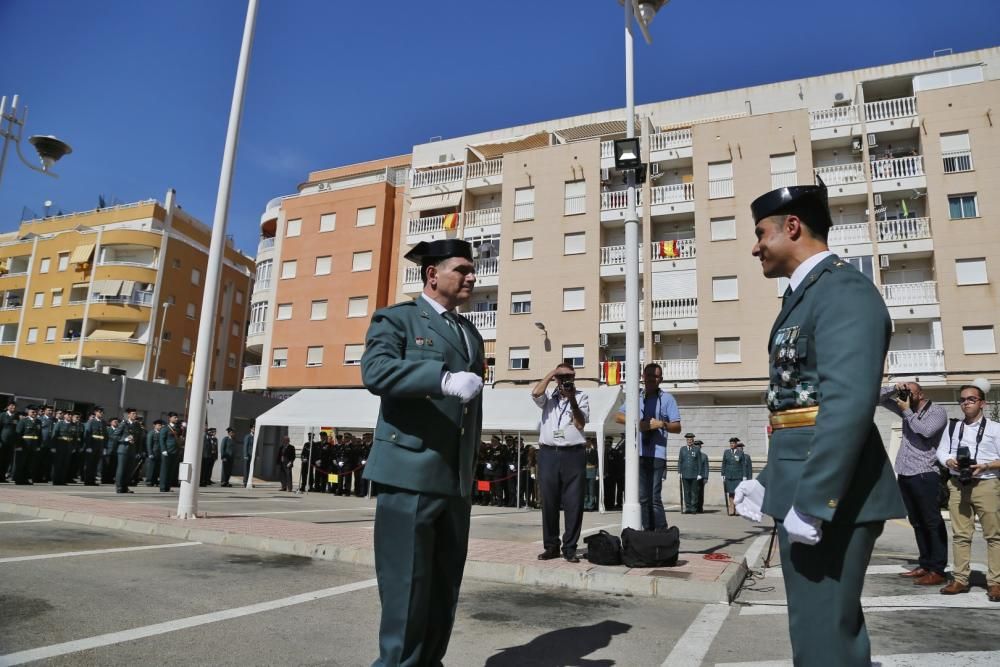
(487, 267)
(486, 319)
(103, 339)
(901, 107)
(910, 294)
(488, 168)
(833, 116)
(905, 229)
(856, 232)
(435, 223)
(673, 369)
(265, 244)
(675, 249)
(14, 273)
(672, 194)
(842, 174)
(524, 211)
(251, 372)
(607, 149)
(140, 299)
(617, 199)
(150, 264)
(482, 217)
(262, 284)
(663, 309)
(897, 167)
(783, 179)
(412, 275)
(11, 306)
(955, 161)
(662, 141)
(720, 188)
(915, 361)
(490, 375)
(575, 205)
(256, 328)
(438, 176)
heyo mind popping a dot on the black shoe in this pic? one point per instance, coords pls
(548, 554)
(571, 556)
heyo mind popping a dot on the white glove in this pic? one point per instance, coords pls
(699, 478)
(745, 478)
(748, 499)
(463, 385)
(802, 527)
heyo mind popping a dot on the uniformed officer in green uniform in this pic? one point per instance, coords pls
(29, 435)
(42, 463)
(95, 433)
(426, 362)
(734, 471)
(169, 447)
(828, 482)
(209, 454)
(65, 438)
(153, 453)
(226, 454)
(8, 436)
(130, 436)
(690, 467)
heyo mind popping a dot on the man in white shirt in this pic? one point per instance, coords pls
(970, 449)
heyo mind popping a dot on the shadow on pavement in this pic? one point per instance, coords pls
(567, 646)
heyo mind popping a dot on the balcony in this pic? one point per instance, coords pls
(485, 321)
(668, 315)
(411, 279)
(670, 199)
(844, 179)
(256, 328)
(850, 234)
(904, 236)
(438, 176)
(265, 245)
(674, 370)
(834, 116)
(783, 179)
(262, 285)
(136, 262)
(915, 362)
(490, 377)
(900, 107)
(897, 167)
(251, 372)
(434, 223)
(720, 188)
(957, 161)
(672, 309)
(138, 299)
(618, 199)
(487, 271)
(474, 221)
(485, 169)
(910, 294)
(672, 140)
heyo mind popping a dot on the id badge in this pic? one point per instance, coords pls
(559, 434)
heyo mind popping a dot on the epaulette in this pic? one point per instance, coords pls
(403, 304)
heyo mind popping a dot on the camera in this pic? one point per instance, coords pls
(965, 463)
(904, 394)
(567, 385)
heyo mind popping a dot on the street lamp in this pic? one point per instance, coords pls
(50, 149)
(159, 340)
(628, 158)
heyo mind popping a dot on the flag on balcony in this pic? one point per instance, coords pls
(906, 209)
(612, 372)
(667, 249)
(451, 221)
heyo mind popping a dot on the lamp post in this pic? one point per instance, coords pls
(187, 501)
(629, 159)
(159, 340)
(49, 148)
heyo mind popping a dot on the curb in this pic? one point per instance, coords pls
(596, 579)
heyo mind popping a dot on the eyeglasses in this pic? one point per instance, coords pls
(969, 399)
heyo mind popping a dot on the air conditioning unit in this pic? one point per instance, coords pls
(871, 140)
(604, 340)
(656, 338)
(878, 198)
(856, 144)
(883, 261)
(605, 174)
(840, 100)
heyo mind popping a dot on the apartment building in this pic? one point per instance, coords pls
(326, 261)
(118, 290)
(909, 153)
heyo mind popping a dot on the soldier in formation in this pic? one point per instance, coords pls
(736, 468)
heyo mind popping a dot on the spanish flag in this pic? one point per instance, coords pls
(612, 373)
(670, 249)
(451, 221)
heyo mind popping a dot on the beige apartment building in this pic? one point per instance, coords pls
(909, 152)
(118, 290)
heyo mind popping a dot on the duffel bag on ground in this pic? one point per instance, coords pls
(604, 549)
(651, 548)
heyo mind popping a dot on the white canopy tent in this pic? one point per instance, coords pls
(506, 410)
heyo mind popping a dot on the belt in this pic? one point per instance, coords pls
(30, 437)
(97, 437)
(794, 418)
(563, 446)
(66, 437)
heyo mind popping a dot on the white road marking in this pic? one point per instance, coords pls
(973, 600)
(94, 552)
(202, 502)
(757, 546)
(345, 509)
(896, 569)
(26, 521)
(969, 658)
(691, 648)
(111, 638)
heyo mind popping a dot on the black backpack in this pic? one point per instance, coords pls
(604, 549)
(651, 548)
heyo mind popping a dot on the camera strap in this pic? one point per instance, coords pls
(979, 435)
(923, 410)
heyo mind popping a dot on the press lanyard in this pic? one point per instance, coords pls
(979, 435)
(562, 413)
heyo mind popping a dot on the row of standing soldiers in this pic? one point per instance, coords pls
(328, 465)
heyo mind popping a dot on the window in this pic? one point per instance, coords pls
(520, 303)
(39, 301)
(279, 358)
(186, 345)
(32, 335)
(284, 311)
(357, 306)
(231, 361)
(956, 152)
(314, 356)
(979, 340)
(962, 206)
(352, 354)
(263, 279)
(523, 248)
(573, 298)
(519, 358)
(293, 228)
(239, 297)
(327, 222)
(863, 264)
(176, 263)
(573, 354)
(192, 311)
(720, 180)
(575, 244)
(782, 170)
(50, 335)
(524, 204)
(971, 271)
(195, 277)
(63, 261)
(727, 350)
(723, 229)
(575, 198)
(366, 217)
(725, 288)
(318, 310)
(323, 265)
(362, 261)
(43, 266)
(288, 268)
(57, 295)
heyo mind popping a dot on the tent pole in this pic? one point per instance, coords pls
(600, 469)
(253, 454)
(517, 502)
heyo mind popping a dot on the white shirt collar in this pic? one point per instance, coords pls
(805, 267)
(438, 308)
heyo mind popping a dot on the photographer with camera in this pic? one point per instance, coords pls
(971, 451)
(562, 460)
(918, 477)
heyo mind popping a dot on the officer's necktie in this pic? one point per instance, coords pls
(788, 293)
(456, 327)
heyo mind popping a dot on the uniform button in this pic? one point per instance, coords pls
(462, 432)
(465, 410)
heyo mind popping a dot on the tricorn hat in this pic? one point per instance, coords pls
(808, 201)
(435, 251)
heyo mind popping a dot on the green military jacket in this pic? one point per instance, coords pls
(30, 431)
(95, 435)
(827, 348)
(169, 443)
(691, 463)
(126, 429)
(67, 434)
(735, 465)
(424, 441)
(226, 449)
(8, 426)
(153, 442)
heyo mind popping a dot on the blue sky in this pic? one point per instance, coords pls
(142, 89)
